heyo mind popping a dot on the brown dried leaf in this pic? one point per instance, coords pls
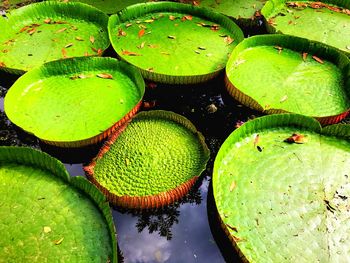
(104, 76)
(317, 59)
(24, 29)
(121, 32)
(61, 30)
(129, 53)
(296, 138)
(215, 27)
(304, 56)
(32, 31)
(92, 39)
(47, 21)
(228, 40)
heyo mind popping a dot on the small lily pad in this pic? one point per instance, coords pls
(47, 215)
(151, 162)
(75, 102)
(289, 202)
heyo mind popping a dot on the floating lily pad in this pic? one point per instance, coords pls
(241, 10)
(75, 102)
(110, 6)
(324, 21)
(48, 216)
(47, 31)
(283, 199)
(280, 73)
(172, 42)
(152, 162)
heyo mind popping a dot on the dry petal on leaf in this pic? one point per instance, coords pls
(141, 32)
(228, 40)
(121, 32)
(150, 69)
(187, 17)
(172, 37)
(68, 45)
(348, 47)
(142, 45)
(99, 52)
(284, 98)
(86, 54)
(149, 104)
(130, 53)
(172, 18)
(4, 51)
(2, 64)
(60, 22)
(24, 29)
(149, 21)
(79, 39)
(215, 27)
(92, 39)
(32, 31)
(59, 241)
(47, 229)
(256, 140)
(47, 21)
(304, 56)
(64, 52)
(296, 138)
(195, 3)
(232, 186)
(152, 46)
(271, 21)
(61, 30)
(128, 25)
(317, 59)
(104, 76)
(279, 49)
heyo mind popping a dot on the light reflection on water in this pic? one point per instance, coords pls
(191, 240)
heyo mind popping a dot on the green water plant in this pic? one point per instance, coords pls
(325, 21)
(48, 216)
(151, 162)
(75, 102)
(281, 187)
(50, 30)
(174, 43)
(280, 73)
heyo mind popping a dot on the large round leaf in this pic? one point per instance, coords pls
(281, 73)
(48, 216)
(324, 21)
(281, 186)
(173, 42)
(42, 32)
(75, 102)
(152, 162)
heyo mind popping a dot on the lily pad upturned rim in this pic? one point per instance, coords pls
(149, 201)
(271, 5)
(47, 8)
(137, 10)
(41, 160)
(300, 45)
(341, 131)
(76, 65)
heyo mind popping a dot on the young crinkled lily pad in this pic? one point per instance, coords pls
(151, 162)
(285, 199)
(51, 30)
(48, 216)
(279, 73)
(75, 102)
(325, 21)
(174, 43)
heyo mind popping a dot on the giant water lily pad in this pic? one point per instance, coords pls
(42, 32)
(280, 73)
(172, 42)
(75, 102)
(281, 185)
(48, 216)
(152, 162)
(324, 21)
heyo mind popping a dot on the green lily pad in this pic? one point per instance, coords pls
(285, 202)
(240, 10)
(47, 31)
(172, 42)
(75, 102)
(110, 6)
(151, 162)
(324, 21)
(48, 216)
(280, 73)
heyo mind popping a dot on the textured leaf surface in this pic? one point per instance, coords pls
(54, 102)
(320, 24)
(40, 32)
(176, 40)
(44, 218)
(157, 152)
(273, 71)
(290, 201)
